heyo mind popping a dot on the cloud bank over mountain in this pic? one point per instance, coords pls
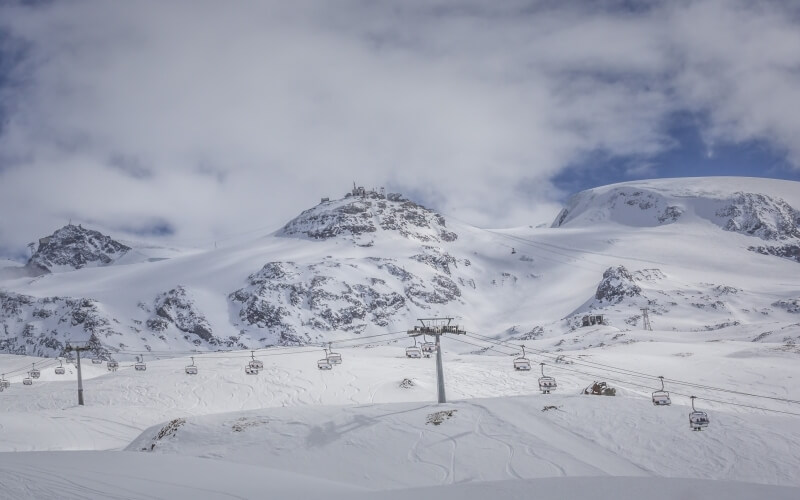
(195, 120)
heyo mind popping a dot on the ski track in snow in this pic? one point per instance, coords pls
(356, 425)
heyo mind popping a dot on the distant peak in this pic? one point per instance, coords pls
(365, 213)
(74, 247)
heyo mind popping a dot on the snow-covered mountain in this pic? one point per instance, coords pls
(703, 254)
(73, 247)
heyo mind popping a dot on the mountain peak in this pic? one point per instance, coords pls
(75, 247)
(362, 213)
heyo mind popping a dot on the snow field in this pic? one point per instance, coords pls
(356, 425)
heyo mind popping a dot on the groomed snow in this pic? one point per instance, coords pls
(357, 426)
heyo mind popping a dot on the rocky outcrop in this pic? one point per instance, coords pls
(788, 251)
(295, 303)
(759, 215)
(176, 307)
(43, 326)
(358, 217)
(73, 247)
(617, 284)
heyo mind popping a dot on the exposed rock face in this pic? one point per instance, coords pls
(177, 307)
(762, 216)
(364, 215)
(792, 305)
(788, 251)
(617, 284)
(42, 327)
(73, 247)
(295, 303)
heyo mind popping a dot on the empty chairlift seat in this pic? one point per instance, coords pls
(522, 363)
(34, 373)
(324, 364)
(334, 358)
(140, 365)
(413, 352)
(191, 369)
(27, 381)
(97, 361)
(112, 365)
(60, 368)
(661, 398)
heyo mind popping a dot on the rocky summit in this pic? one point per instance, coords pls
(363, 214)
(74, 247)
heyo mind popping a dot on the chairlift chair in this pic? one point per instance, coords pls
(60, 368)
(97, 361)
(140, 365)
(34, 373)
(5, 384)
(112, 365)
(27, 380)
(698, 420)
(324, 364)
(546, 384)
(661, 398)
(250, 370)
(428, 348)
(255, 363)
(522, 363)
(413, 351)
(334, 358)
(191, 369)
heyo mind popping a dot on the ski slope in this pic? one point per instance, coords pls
(359, 428)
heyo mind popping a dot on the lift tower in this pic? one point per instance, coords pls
(78, 349)
(437, 327)
(646, 319)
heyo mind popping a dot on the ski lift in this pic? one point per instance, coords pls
(250, 370)
(191, 369)
(324, 363)
(661, 398)
(97, 361)
(5, 384)
(112, 365)
(60, 368)
(522, 363)
(34, 373)
(698, 420)
(27, 380)
(254, 363)
(413, 351)
(140, 365)
(546, 384)
(428, 348)
(334, 358)
(513, 250)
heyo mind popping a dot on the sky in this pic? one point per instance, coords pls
(190, 121)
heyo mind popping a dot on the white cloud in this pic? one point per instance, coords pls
(218, 116)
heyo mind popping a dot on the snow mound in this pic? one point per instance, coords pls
(767, 209)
